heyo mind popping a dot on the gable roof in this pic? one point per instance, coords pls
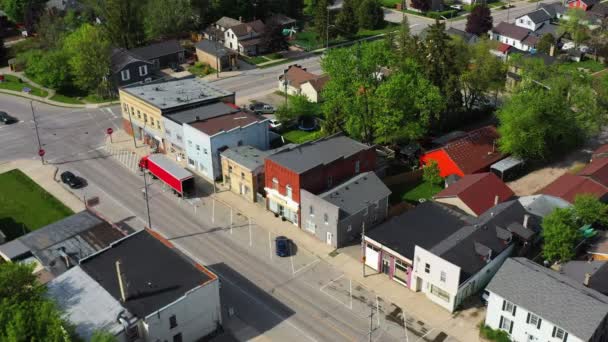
(597, 271)
(213, 48)
(511, 30)
(478, 191)
(601, 151)
(538, 16)
(304, 157)
(568, 186)
(357, 193)
(227, 22)
(156, 273)
(475, 151)
(120, 58)
(597, 170)
(552, 296)
(256, 26)
(425, 226)
(466, 36)
(296, 75)
(319, 83)
(152, 51)
(542, 205)
(553, 9)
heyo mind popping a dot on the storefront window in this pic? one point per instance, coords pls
(440, 293)
(400, 272)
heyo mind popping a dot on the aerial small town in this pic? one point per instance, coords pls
(304, 170)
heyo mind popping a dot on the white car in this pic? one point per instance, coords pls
(275, 124)
(568, 46)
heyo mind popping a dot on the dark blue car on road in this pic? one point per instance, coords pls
(282, 246)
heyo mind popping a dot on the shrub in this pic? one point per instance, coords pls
(494, 335)
(431, 173)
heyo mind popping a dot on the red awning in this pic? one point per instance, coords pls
(504, 47)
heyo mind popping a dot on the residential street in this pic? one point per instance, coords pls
(280, 298)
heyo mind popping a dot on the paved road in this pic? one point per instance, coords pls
(253, 84)
(267, 293)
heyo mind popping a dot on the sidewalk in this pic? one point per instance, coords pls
(462, 326)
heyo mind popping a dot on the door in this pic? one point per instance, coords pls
(330, 237)
(281, 210)
(386, 264)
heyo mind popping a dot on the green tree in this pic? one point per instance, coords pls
(121, 21)
(89, 59)
(431, 173)
(346, 20)
(2, 51)
(575, 26)
(484, 75)
(321, 20)
(20, 11)
(370, 14)
(102, 336)
(479, 22)
(544, 44)
(48, 68)
(167, 18)
(589, 210)
(560, 235)
(51, 30)
(298, 106)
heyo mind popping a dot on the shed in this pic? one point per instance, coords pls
(508, 168)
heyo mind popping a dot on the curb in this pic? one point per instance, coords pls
(55, 103)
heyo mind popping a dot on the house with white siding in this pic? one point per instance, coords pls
(534, 303)
(510, 34)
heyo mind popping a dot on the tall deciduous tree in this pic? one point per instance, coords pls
(588, 209)
(321, 20)
(479, 22)
(121, 21)
(165, 19)
(22, 11)
(484, 76)
(370, 14)
(89, 60)
(48, 68)
(560, 235)
(421, 5)
(545, 42)
(346, 20)
(574, 26)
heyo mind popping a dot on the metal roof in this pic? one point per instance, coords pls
(85, 304)
(169, 166)
(506, 164)
(554, 297)
(13, 250)
(158, 49)
(542, 205)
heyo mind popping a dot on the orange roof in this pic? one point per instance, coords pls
(476, 151)
(478, 191)
(296, 75)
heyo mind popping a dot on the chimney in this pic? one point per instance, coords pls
(552, 50)
(122, 281)
(496, 199)
(587, 278)
(241, 19)
(526, 218)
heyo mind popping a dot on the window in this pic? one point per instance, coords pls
(427, 268)
(198, 147)
(204, 150)
(177, 338)
(145, 117)
(167, 131)
(179, 137)
(508, 307)
(400, 272)
(310, 226)
(138, 114)
(311, 211)
(440, 293)
(533, 320)
(506, 324)
(125, 75)
(125, 107)
(275, 183)
(357, 166)
(325, 218)
(229, 168)
(172, 322)
(190, 143)
(133, 333)
(152, 121)
(560, 333)
(442, 277)
(242, 175)
(288, 192)
(158, 124)
(143, 70)
(191, 162)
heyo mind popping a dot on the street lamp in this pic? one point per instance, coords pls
(41, 152)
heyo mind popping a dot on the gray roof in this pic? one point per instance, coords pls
(169, 166)
(542, 205)
(227, 22)
(506, 164)
(157, 274)
(161, 49)
(466, 36)
(597, 271)
(511, 30)
(424, 226)
(120, 58)
(304, 157)
(213, 48)
(85, 304)
(357, 193)
(553, 9)
(538, 16)
(78, 236)
(201, 113)
(554, 297)
(247, 156)
(174, 94)
(14, 250)
(551, 29)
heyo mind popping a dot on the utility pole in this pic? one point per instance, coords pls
(37, 133)
(147, 198)
(371, 322)
(132, 130)
(363, 246)
(285, 84)
(217, 57)
(327, 31)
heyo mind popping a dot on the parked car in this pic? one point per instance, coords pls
(261, 108)
(282, 246)
(7, 119)
(72, 180)
(275, 124)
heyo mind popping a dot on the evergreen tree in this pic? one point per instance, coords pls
(422, 5)
(479, 22)
(321, 20)
(167, 19)
(370, 14)
(121, 21)
(294, 8)
(545, 43)
(346, 20)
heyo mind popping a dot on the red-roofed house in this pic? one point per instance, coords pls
(474, 194)
(473, 153)
(601, 152)
(597, 170)
(568, 186)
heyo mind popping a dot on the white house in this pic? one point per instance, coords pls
(513, 35)
(139, 289)
(533, 20)
(206, 139)
(296, 80)
(448, 255)
(534, 303)
(245, 38)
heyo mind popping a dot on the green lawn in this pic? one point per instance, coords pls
(254, 59)
(201, 69)
(390, 3)
(297, 136)
(308, 39)
(589, 64)
(15, 83)
(94, 98)
(25, 206)
(66, 99)
(413, 192)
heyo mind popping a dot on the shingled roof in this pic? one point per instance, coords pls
(475, 151)
(511, 30)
